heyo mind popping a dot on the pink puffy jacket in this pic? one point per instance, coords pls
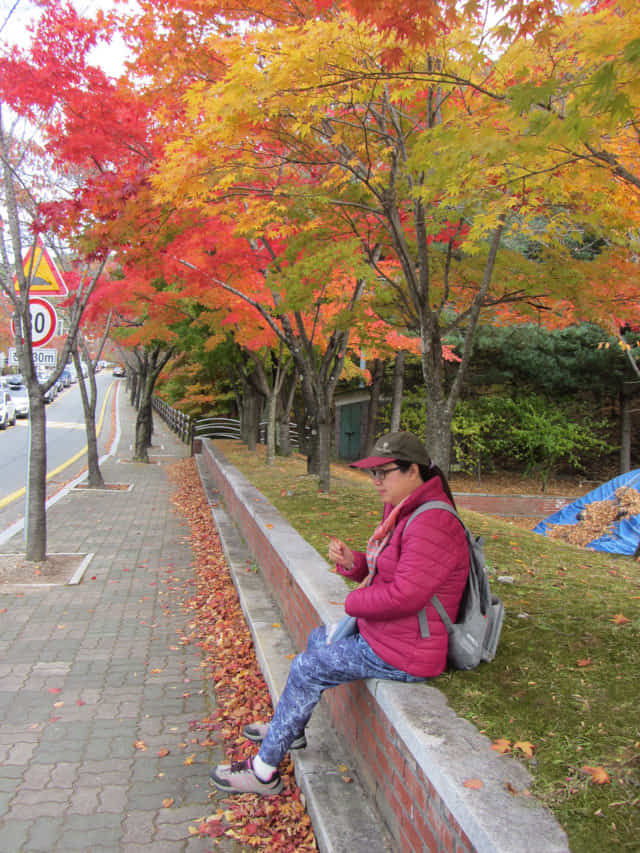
(432, 558)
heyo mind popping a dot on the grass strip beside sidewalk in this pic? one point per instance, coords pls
(563, 694)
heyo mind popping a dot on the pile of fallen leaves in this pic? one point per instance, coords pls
(273, 824)
(598, 518)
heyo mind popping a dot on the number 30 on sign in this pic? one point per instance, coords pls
(43, 321)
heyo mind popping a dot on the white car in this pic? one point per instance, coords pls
(7, 410)
(20, 398)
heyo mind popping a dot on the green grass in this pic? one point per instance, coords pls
(567, 675)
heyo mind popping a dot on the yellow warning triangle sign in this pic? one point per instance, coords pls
(46, 279)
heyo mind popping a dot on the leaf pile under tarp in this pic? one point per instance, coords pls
(598, 518)
(274, 824)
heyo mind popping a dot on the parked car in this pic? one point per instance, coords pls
(15, 379)
(118, 370)
(7, 410)
(65, 377)
(20, 398)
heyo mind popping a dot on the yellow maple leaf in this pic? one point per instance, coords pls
(525, 746)
(190, 759)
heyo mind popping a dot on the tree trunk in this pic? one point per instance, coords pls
(625, 433)
(396, 391)
(319, 457)
(324, 451)
(272, 402)
(438, 434)
(250, 417)
(95, 479)
(36, 513)
(286, 403)
(144, 424)
(133, 387)
(377, 376)
(150, 361)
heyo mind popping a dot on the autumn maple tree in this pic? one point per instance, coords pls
(381, 153)
(306, 195)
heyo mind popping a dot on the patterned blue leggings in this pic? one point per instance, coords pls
(320, 666)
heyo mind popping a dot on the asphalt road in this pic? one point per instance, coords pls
(66, 445)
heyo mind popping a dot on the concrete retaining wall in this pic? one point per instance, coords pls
(412, 752)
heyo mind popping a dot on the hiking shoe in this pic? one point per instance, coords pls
(239, 778)
(256, 732)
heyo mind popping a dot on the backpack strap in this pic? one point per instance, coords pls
(442, 613)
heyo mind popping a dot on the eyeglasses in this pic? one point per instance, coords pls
(381, 473)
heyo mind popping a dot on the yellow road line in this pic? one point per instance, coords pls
(20, 492)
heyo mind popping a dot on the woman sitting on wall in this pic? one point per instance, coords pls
(399, 574)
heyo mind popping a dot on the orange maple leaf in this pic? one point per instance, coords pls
(501, 745)
(188, 761)
(474, 784)
(167, 803)
(140, 744)
(584, 662)
(619, 619)
(598, 775)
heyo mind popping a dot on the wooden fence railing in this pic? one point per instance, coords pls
(189, 428)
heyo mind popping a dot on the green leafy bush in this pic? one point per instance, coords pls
(527, 432)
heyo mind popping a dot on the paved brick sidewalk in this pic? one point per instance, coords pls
(87, 671)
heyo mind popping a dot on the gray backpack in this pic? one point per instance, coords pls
(474, 637)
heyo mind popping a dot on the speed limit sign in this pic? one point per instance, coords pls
(43, 321)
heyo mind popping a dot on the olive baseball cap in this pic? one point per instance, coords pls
(403, 446)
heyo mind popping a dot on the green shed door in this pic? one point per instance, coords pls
(350, 431)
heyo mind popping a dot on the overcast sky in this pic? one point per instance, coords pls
(17, 15)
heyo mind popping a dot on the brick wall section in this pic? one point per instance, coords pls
(393, 770)
(527, 506)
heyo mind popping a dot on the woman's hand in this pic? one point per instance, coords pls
(340, 553)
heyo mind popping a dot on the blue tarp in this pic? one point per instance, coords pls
(624, 537)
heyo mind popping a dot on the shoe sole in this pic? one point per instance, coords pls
(228, 789)
(298, 743)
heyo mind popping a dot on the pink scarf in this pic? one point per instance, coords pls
(379, 539)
